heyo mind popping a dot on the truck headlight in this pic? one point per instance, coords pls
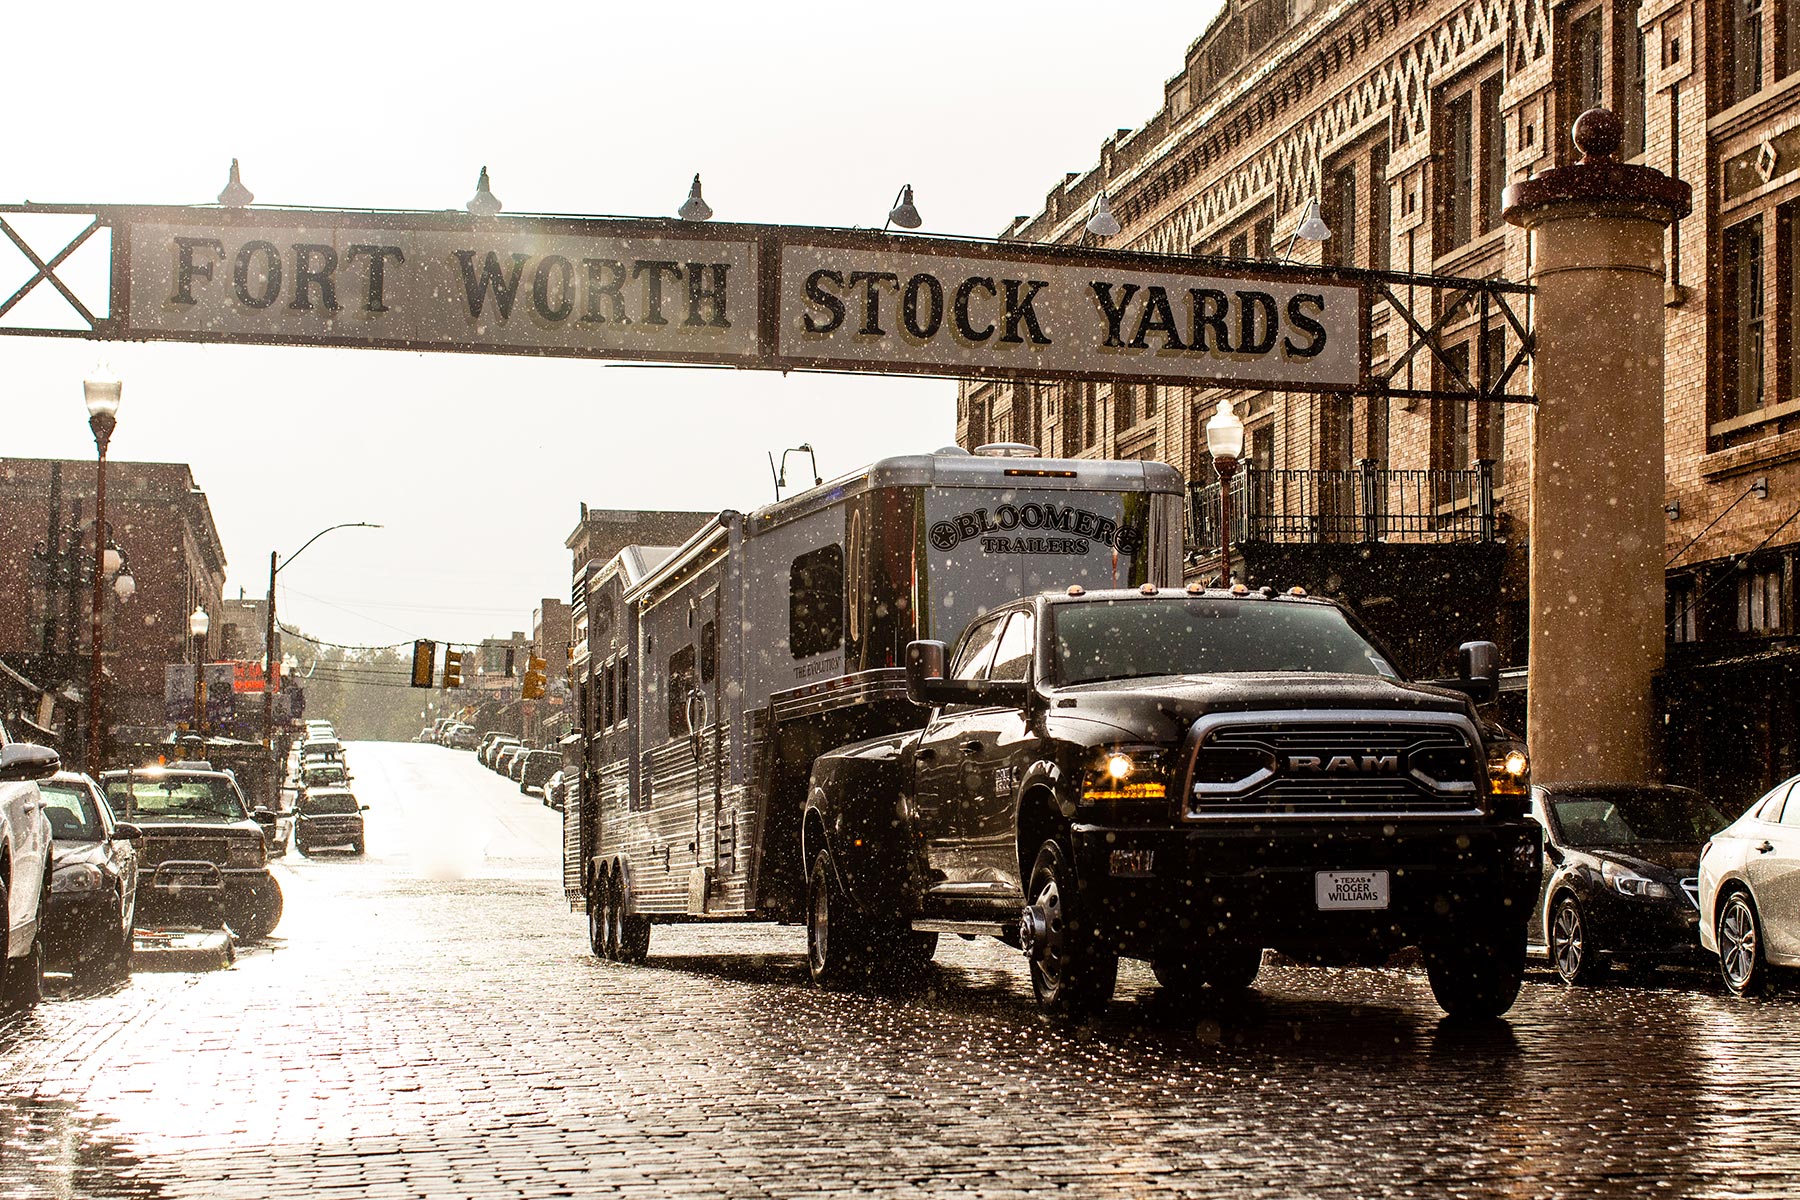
(1126, 773)
(77, 877)
(1627, 882)
(246, 853)
(1509, 769)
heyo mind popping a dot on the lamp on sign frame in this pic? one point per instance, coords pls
(1102, 223)
(695, 207)
(905, 214)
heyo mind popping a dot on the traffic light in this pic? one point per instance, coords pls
(453, 668)
(535, 678)
(424, 658)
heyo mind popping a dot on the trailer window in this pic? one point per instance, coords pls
(624, 688)
(608, 684)
(709, 651)
(816, 602)
(682, 680)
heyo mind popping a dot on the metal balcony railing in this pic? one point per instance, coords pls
(1363, 504)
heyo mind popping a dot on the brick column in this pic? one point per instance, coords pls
(1597, 459)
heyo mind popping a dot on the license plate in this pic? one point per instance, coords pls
(1350, 889)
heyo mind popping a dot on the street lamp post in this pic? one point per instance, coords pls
(1225, 440)
(198, 622)
(275, 566)
(102, 390)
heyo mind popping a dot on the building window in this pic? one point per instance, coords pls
(816, 602)
(1450, 418)
(1124, 407)
(1337, 433)
(1357, 206)
(1684, 610)
(1340, 215)
(1471, 159)
(1149, 401)
(1090, 416)
(1072, 425)
(1633, 96)
(1743, 319)
(1759, 602)
(1587, 83)
(1375, 429)
(1741, 50)
(1492, 432)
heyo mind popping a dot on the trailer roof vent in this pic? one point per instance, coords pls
(951, 452)
(1006, 450)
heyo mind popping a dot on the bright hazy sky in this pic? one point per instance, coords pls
(810, 114)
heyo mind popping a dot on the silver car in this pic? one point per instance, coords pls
(1750, 891)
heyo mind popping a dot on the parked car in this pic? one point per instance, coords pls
(327, 748)
(503, 759)
(1621, 867)
(203, 850)
(554, 791)
(320, 773)
(25, 893)
(329, 817)
(1750, 891)
(463, 737)
(93, 881)
(499, 746)
(536, 768)
(515, 762)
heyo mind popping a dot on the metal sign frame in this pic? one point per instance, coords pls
(1423, 307)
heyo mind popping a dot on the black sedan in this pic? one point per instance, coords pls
(93, 880)
(328, 817)
(1621, 875)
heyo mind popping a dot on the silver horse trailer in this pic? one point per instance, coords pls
(713, 673)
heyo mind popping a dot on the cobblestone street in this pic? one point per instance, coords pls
(428, 1022)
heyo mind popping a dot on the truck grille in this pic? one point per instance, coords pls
(1331, 764)
(161, 850)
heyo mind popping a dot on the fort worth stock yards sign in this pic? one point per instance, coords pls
(771, 297)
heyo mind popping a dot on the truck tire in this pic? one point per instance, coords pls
(254, 913)
(22, 979)
(1226, 970)
(840, 943)
(1476, 972)
(1073, 972)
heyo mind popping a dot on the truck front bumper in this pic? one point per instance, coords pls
(1258, 884)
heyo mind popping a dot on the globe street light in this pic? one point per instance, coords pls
(198, 622)
(102, 390)
(1225, 441)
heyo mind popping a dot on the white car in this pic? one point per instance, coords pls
(1750, 891)
(25, 839)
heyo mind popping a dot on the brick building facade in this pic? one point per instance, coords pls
(1406, 119)
(162, 522)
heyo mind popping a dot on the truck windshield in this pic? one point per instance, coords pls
(178, 798)
(1127, 639)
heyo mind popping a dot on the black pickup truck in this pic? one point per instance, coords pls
(1182, 776)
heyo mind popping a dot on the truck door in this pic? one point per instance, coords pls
(946, 752)
(1006, 742)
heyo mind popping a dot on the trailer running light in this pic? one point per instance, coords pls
(1039, 473)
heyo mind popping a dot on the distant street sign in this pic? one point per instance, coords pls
(770, 297)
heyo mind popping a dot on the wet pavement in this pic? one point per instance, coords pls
(427, 1022)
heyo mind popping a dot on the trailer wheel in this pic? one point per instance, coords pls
(615, 915)
(596, 916)
(1073, 972)
(839, 940)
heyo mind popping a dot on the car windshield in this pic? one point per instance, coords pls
(1634, 818)
(1127, 639)
(72, 812)
(177, 797)
(315, 775)
(328, 806)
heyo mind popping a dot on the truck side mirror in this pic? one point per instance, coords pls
(1478, 666)
(22, 762)
(924, 667)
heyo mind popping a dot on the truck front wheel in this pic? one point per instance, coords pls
(1477, 971)
(1073, 972)
(839, 940)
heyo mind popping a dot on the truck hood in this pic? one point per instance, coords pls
(1161, 708)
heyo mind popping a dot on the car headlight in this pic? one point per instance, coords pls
(1126, 773)
(1629, 883)
(1509, 769)
(77, 877)
(246, 853)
